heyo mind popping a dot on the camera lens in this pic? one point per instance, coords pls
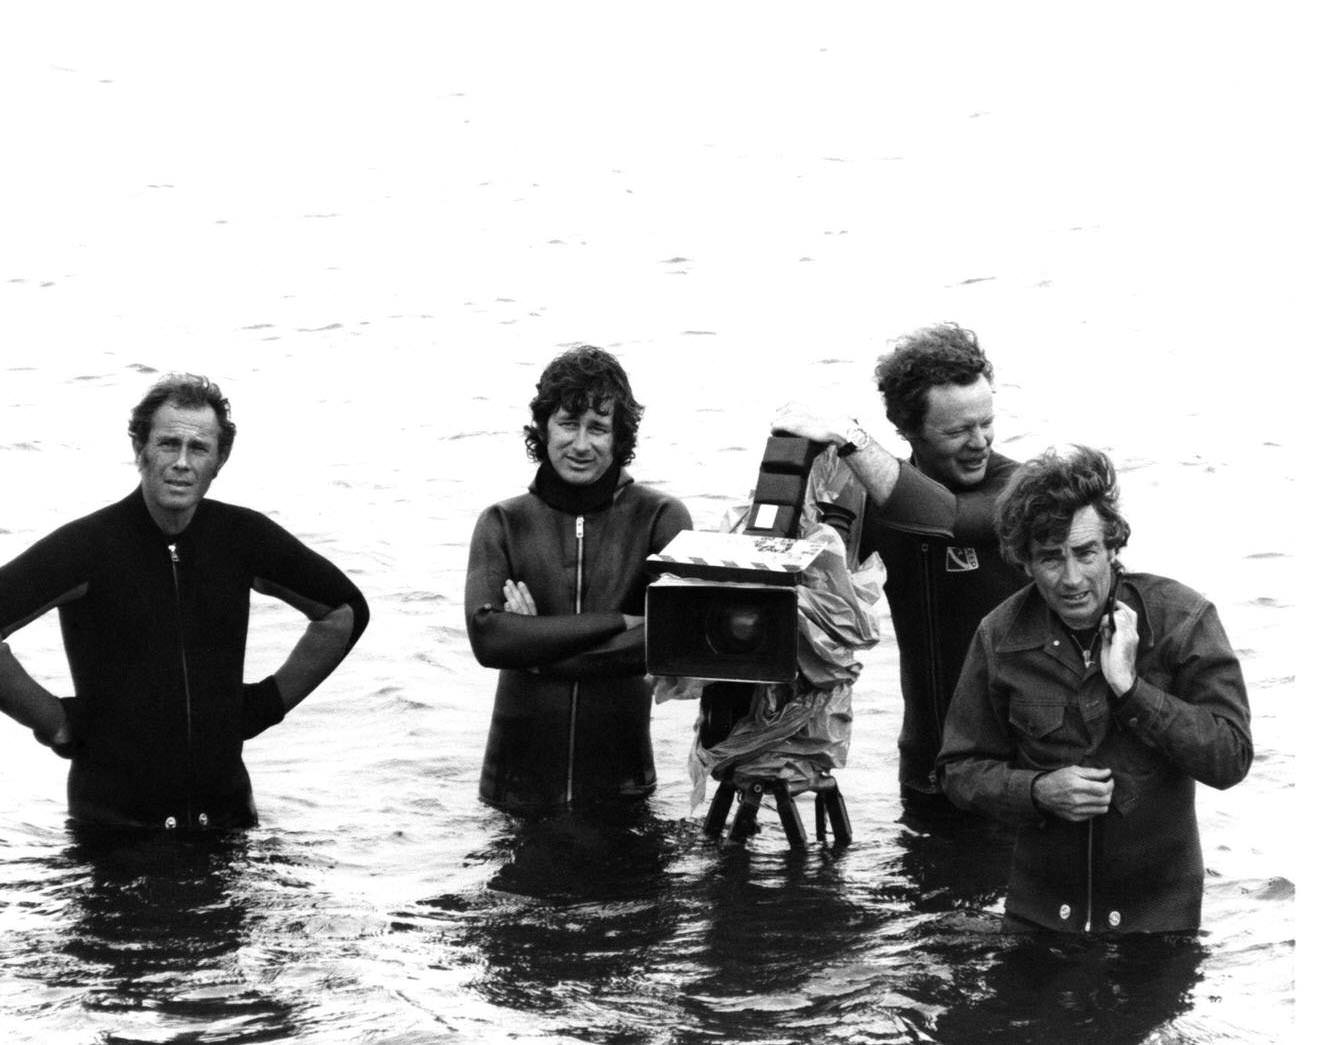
(735, 628)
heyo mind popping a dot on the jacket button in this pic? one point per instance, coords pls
(202, 820)
(1114, 919)
(1132, 722)
(1065, 912)
(170, 823)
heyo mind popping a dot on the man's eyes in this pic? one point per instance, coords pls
(968, 429)
(174, 444)
(1055, 558)
(594, 429)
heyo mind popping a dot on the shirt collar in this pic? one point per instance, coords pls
(1034, 624)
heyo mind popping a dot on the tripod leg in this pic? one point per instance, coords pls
(839, 821)
(744, 821)
(719, 809)
(788, 815)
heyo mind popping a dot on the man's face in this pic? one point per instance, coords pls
(179, 460)
(1074, 576)
(953, 443)
(581, 446)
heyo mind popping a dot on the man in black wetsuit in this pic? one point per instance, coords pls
(931, 520)
(153, 599)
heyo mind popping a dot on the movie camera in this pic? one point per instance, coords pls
(727, 608)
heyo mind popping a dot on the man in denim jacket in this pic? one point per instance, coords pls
(1089, 705)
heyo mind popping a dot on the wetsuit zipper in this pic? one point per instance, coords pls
(187, 692)
(579, 530)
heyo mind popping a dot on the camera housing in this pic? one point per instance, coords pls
(730, 612)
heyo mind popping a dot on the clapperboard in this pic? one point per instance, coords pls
(736, 557)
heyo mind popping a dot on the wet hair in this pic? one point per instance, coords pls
(188, 392)
(1043, 495)
(584, 378)
(938, 355)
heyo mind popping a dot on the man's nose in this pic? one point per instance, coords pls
(582, 440)
(980, 437)
(1072, 573)
(180, 459)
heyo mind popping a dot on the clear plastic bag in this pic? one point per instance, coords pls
(795, 732)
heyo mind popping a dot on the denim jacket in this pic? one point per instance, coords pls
(1027, 704)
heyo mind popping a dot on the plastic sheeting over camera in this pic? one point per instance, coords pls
(797, 731)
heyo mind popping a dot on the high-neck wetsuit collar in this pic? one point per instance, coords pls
(572, 498)
(149, 524)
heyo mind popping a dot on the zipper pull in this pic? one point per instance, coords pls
(174, 554)
(581, 527)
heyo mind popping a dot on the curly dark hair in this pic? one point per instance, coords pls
(187, 391)
(1044, 494)
(938, 355)
(584, 377)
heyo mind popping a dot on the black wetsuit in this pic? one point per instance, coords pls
(572, 718)
(155, 628)
(943, 574)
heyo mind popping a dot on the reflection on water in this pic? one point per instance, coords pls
(151, 934)
(953, 861)
(1047, 989)
(625, 928)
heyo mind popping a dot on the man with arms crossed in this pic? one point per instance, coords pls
(153, 599)
(1090, 704)
(931, 520)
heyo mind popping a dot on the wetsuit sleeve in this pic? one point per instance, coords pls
(920, 505)
(514, 640)
(285, 568)
(54, 571)
(976, 761)
(1202, 722)
(625, 654)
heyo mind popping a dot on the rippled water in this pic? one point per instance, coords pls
(374, 233)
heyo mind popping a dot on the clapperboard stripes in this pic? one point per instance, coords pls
(735, 557)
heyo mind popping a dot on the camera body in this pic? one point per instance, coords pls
(729, 612)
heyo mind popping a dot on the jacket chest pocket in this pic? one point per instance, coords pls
(1035, 720)
(1049, 733)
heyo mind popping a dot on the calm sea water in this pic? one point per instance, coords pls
(373, 229)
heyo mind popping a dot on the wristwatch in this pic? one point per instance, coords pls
(855, 438)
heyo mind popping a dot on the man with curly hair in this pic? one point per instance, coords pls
(930, 518)
(1090, 704)
(556, 590)
(153, 594)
